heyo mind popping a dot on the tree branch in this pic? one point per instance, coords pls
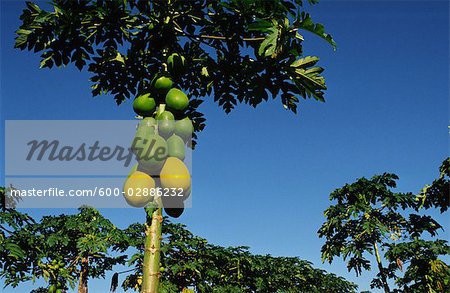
(229, 38)
(247, 39)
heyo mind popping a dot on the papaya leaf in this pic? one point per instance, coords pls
(305, 62)
(268, 47)
(306, 23)
(260, 26)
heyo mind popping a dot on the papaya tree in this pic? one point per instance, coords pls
(63, 250)
(17, 244)
(436, 194)
(418, 265)
(370, 219)
(229, 51)
(420, 260)
(190, 261)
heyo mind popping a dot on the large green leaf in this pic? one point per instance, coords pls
(269, 46)
(306, 23)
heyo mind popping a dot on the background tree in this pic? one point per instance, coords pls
(419, 259)
(370, 218)
(421, 264)
(189, 261)
(62, 249)
(235, 51)
(436, 195)
(17, 244)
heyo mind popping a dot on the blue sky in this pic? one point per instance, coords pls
(386, 111)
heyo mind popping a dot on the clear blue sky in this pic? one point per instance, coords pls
(386, 111)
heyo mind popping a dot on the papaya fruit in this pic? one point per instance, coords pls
(148, 122)
(176, 64)
(173, 206)
(134, 187)
(143, 133)
(165, 115)
(184, 129)
(175, 174)
(166, 128)
(176, 99)
(175, 145)
(144, 105)
(162, 83)
(166, 124)
(154, 154)
(174, 212)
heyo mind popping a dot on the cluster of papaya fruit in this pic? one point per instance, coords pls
(55, 285)
(160, 144)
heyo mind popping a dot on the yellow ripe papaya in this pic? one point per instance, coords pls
(137, 189)
(175, 174)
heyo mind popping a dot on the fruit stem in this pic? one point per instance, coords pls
(153, 237)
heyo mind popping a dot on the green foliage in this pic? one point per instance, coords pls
(235, 50)
(437, 194)
(54, 248)
(367, 213)
(190, 261)
(423, 270)
(17, 248)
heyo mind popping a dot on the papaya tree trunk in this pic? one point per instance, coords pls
(153, 237)
(381, 269)
(83, 282)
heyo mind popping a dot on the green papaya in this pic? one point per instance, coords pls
(175, 145)
(162, 83)
(184, 129)
(165, 115)
(144, 105)
(144, 131)
(154, 154)
(166, 124)
(166, 128)
(177, 100)
(176, 64)
(148, 121)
